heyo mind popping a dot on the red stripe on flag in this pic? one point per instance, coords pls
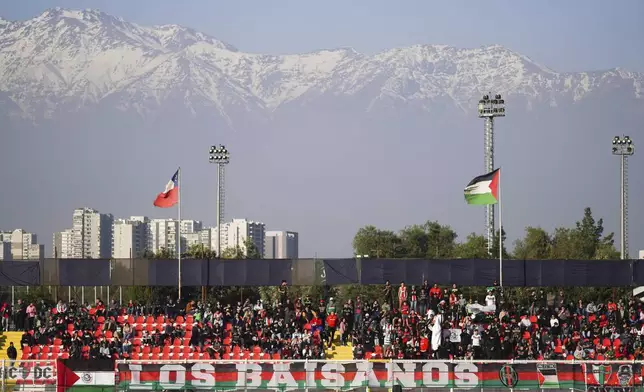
(494, 184)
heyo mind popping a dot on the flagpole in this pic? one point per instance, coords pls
(500, 235)
(178, 234)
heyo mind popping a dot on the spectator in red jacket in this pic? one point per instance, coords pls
(331, 325)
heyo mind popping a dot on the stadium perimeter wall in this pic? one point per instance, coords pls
(307, 272)
(435, 375)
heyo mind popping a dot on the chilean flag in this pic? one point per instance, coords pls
(170, 196)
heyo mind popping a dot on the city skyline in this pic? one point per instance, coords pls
(134, 235)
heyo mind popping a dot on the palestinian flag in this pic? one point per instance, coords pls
(483, 190)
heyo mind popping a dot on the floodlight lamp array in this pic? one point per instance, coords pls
(219, 154)
(623, 146)
(491, 106)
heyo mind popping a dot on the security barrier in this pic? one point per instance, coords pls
(309, 272)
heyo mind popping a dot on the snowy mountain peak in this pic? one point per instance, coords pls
(56, 15)
(68, 60)
(175, 37)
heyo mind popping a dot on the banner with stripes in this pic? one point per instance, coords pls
(347, 375)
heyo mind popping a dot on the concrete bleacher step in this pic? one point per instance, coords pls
(339, 352)
(5, 339)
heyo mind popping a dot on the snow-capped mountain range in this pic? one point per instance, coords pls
(67, 60)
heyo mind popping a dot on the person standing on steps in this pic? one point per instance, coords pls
(12, 353)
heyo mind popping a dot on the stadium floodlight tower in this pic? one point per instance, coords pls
(623, 147)
(220, 156)
(489, 108)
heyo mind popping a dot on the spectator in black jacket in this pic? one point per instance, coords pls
(12, 354)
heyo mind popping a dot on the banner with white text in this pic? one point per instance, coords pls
(358, 375)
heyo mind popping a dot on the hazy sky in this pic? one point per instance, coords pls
(572, 35)
(563, 35)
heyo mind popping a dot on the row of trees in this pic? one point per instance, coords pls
(432, 240)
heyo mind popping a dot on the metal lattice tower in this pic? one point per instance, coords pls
(624, 148)
(625, 203)
(220, 156)
(222, 191)
(488, 162)
(490, 107)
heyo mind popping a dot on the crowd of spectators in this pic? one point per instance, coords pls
(421, 322)
(431, 322)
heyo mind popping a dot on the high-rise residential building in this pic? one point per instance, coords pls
(5, 245)
(5, 236)
(5, 250)
(234, 233)
(191, 239)
(237, 232)
(162, 234)
(205, 237)
(130, 238)
(208, 237)
(91, 234)
(21, 245)
(189, 226)
(641, 254)
(63, 244)
(281, 245)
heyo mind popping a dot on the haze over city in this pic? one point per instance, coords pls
(371, 119)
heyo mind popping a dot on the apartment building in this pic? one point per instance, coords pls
(281, 245)
(238, 231)
(5, 250)
(62, 246)
(130, 238)
(20, 245)
(91, 234)
(189, 226)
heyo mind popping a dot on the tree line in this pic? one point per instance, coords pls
(433, 240)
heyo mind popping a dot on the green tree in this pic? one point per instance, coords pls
(441, 240)
(248, 251)
(163, 253)
(414, 240)
(584, 242)
(234, 252)
(606, 249)
(200, 251)
(474, 247)
(589, 235)
(371, 241)
(429, 240)
(252, 253)
(565, 244)
(535, 245)
(494, 251)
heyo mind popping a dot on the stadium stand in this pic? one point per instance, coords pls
(425, 322)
